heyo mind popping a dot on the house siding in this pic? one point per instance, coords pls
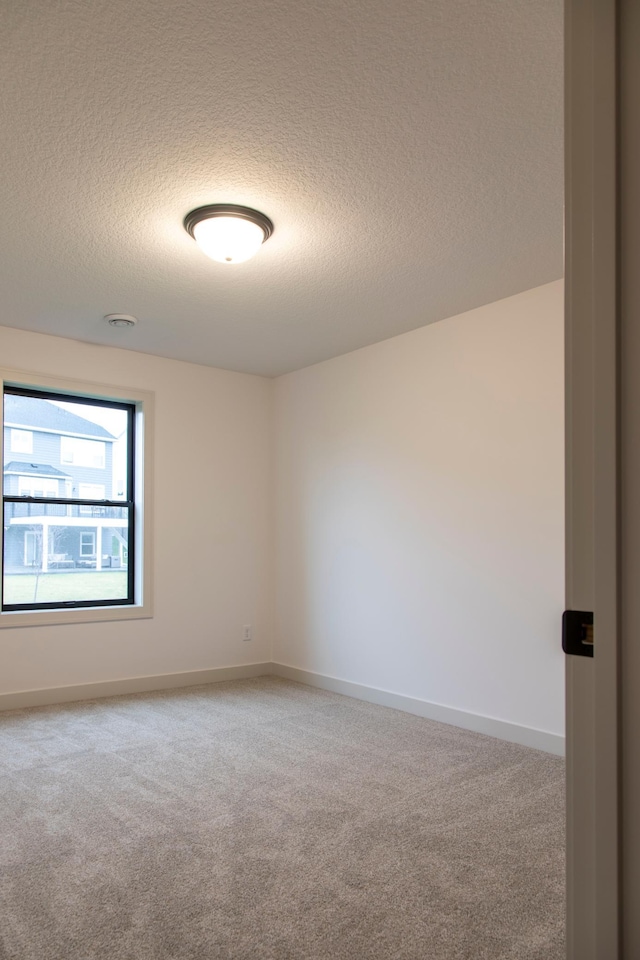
(46, 450)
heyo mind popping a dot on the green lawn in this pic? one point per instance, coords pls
(58, 587)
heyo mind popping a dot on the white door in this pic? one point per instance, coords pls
(592, 448)
(31, 549)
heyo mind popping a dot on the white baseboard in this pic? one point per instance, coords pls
(501, 729)
(114, 688)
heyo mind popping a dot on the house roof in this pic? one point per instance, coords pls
(33, 469)
(36, 413)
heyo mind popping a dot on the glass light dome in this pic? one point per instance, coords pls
(228, 233)
(228, 239)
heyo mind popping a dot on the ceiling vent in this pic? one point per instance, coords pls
(120, 320)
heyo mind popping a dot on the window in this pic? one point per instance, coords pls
(21, 441)
(37, 487)
(82, 453)
(76, 540)
(90, 491)
(72, 544)
(87, 544)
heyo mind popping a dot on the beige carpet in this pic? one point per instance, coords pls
(267, 820)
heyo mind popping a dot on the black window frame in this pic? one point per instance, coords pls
(129, 504)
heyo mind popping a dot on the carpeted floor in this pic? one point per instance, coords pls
(266, 820)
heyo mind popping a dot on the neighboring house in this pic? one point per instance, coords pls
(51, 452)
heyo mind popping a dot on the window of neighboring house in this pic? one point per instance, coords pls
(87, 544)
(37, 487)
(93, 491)
(75, 550)
(82, 453)
(90, 491)
(21, 441)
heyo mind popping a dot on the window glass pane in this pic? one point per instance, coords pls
(71, 445)
(87, 544)
(82, 453)
(32, 486)
(53, 553)
(21, 441)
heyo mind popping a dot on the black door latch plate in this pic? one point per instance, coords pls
(577, 633)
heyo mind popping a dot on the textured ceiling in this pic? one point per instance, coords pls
(408, 152)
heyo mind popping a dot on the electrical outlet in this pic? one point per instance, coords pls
(246, 632)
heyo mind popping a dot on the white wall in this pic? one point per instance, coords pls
(212, 531)
(419, 517)
(420, 531)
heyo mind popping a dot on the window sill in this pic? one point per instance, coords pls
(42, 618)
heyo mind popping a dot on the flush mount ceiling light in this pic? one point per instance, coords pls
(228, 233)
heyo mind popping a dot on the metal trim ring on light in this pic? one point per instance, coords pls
(228, 210)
